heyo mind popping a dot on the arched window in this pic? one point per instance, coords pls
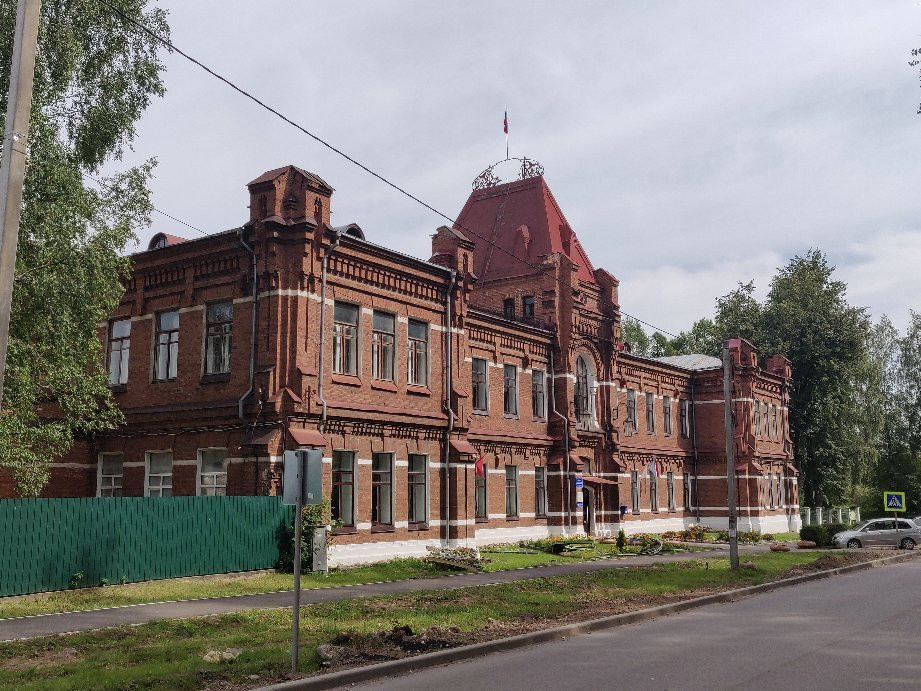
(585, 394)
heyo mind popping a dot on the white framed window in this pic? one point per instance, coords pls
(218, 335)
(382, 490)
(480, 498)
(119, 350)
(540, 491)
(480, 385)
(630, 424)
(650, 413)
(670, 485)
(342, 501)
(635, 491)
(158, 480)
(511, 491)
(111, 474)
(345, 338)
(383, 345)
(166, 352)
(418, 480)
(757, 418)
(653, 491)
(538, 395)
(212, 472)
(667, 415)
(510, 390)
(684, 412)
(418, 356)
(770, 480)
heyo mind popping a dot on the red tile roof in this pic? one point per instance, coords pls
(523, 219)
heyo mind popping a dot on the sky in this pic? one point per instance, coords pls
(691, 145)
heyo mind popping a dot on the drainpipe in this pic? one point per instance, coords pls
(252, 336)
(693, 423)
(332, 246)
(449, 383)
(565, 419)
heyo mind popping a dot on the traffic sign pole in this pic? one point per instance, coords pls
(298, 530)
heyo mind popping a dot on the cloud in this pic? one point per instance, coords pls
(691, 145)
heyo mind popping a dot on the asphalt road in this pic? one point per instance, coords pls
(858, 631)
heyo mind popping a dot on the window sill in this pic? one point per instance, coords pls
(418, 390)
(540, 515)
(347, 379)
(481, 519)
(383, 529)
(118, 388)
(539, 419)
(163, 381)
(344, 530)
(215, 378)
(512, 518)
(418, 526)
(481, 412)
(383, 385)
(510, 416)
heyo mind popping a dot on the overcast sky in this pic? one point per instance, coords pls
(690, 145)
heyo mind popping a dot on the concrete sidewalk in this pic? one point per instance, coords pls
(70, 622)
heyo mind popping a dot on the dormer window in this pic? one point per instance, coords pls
(508, 308)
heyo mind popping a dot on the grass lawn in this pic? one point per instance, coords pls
(260, 582)
(168, 654)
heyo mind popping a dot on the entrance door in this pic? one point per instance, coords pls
(588, 510)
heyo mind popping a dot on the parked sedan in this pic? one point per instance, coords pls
(880, 532)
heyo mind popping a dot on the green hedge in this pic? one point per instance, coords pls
(821, 535)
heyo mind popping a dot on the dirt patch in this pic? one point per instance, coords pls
(43, 659)
(832, 561)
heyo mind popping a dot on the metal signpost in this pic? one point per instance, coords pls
(303, 484)
(894, 502)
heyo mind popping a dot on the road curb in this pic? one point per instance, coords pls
(442, 657)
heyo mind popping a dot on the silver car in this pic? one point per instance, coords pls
(880, 532)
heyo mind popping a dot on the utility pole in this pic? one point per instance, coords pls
(730, 461)
(13, 163)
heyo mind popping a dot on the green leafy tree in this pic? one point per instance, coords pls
(635, 335)
(703, 338)
(94, 77)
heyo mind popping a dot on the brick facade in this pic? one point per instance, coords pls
(509, 291)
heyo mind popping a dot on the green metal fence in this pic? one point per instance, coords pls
(45, 544)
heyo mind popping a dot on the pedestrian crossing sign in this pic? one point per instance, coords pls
(894, 501)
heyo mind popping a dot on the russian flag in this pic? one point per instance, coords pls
(505, 123)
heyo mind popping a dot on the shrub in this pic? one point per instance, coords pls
(314, 515)
(621, 540)
(815, 533)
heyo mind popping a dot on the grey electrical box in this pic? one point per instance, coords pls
(303, 475)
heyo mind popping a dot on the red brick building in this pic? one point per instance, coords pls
(484, 395)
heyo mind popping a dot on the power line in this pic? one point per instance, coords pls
(162, 213)
(246, 94)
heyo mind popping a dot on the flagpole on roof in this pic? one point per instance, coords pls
(505, 128)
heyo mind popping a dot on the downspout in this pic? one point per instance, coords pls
(693, 423)
(449, 383)
(322, 343)
(252, 329)
(565, 419)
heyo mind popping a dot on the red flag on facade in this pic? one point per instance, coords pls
(505, 123)
(478, 466)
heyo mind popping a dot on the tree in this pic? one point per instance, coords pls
(635, 335)
(95, 75)
(703, 338)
